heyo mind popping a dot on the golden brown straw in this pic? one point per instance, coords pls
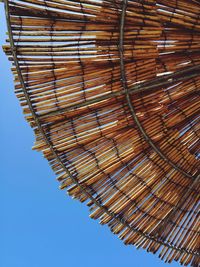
(111, 89)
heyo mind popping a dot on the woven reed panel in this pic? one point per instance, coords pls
(111, 89)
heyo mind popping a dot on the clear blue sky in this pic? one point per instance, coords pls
(41, 226)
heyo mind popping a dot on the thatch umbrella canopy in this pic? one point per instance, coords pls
(111, 89)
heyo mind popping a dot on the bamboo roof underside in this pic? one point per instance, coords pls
(111, 89)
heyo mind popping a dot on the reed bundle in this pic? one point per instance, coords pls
(111, 89)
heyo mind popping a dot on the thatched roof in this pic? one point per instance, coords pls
(111, 89)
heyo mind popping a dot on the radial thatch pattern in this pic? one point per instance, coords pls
(111, 89)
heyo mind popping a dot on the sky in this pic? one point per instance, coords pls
(41, 225)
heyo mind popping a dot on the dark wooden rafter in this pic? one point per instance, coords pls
(165, 80)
